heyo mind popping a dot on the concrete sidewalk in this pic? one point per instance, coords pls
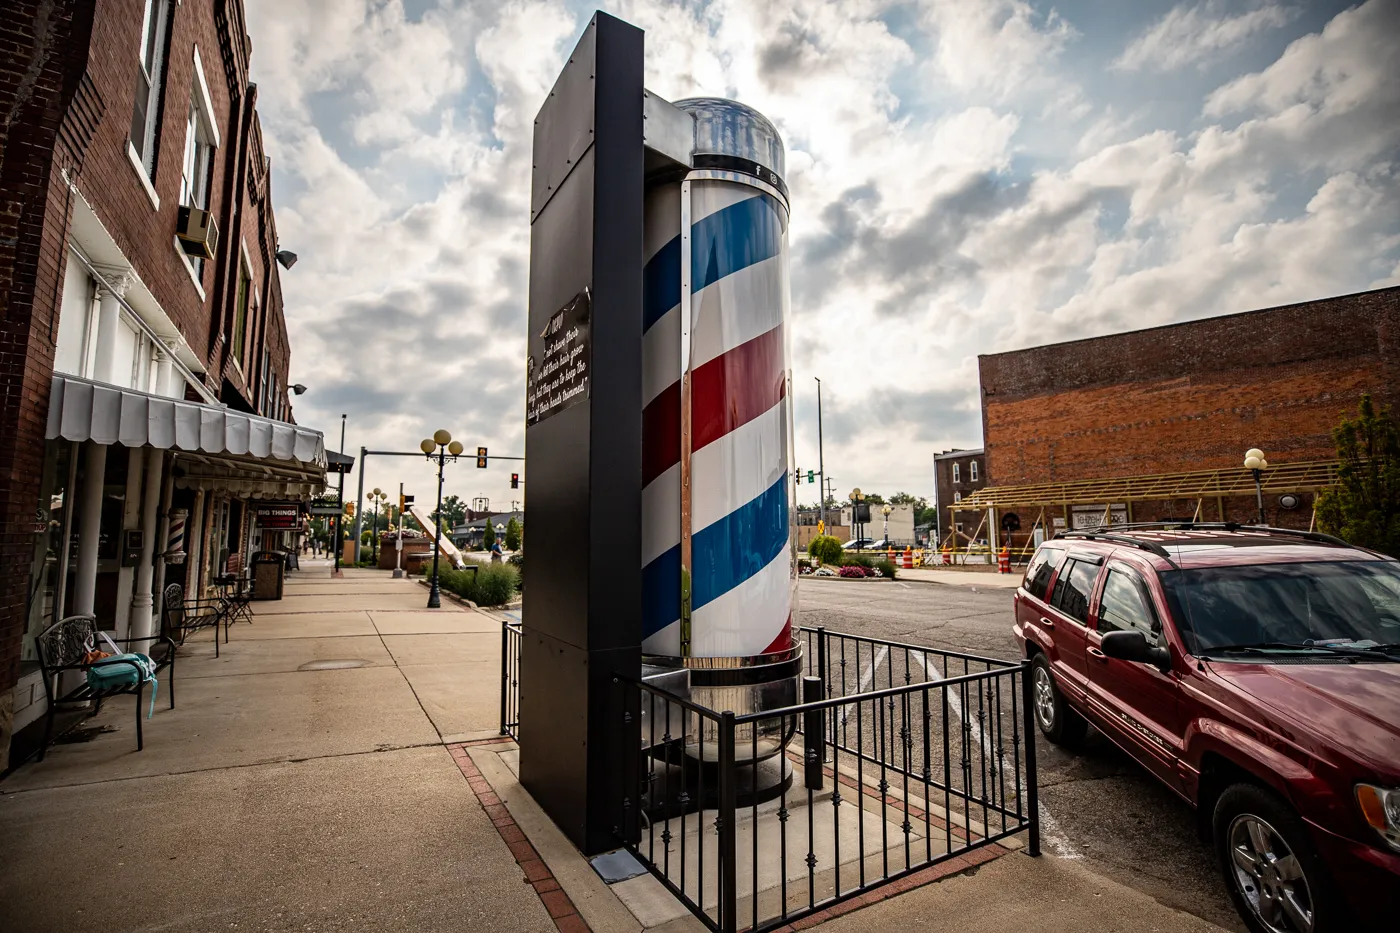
(339, 768)
(282, 793)
(954, 577)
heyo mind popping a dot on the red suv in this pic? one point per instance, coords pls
(1256, 672)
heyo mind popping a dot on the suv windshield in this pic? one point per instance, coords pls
(1337, 602)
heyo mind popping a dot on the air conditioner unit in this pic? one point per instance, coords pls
(198, 233)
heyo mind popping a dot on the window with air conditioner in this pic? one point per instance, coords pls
(197, 233)
(150, 75)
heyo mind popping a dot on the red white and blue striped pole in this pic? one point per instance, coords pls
(718, 559)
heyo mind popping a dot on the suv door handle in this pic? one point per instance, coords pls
(1047, 623)
(1098, 655)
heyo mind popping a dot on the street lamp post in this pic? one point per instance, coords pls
(885, 510)
(1255, 463)
(377, 496)
(438, 447)
(857, 525)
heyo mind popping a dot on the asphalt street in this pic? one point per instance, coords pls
(1098, 805)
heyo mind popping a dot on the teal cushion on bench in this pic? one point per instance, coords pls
(123, 670)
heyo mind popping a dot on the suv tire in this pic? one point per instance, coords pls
(1057, 720)
(1275, 877)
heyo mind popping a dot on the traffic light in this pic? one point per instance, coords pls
(405, 501)
(481, 458)
(515, 481)
(799, 476)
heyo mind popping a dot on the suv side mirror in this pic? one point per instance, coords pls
(1133, 646)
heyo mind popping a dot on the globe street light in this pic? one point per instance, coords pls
(885, 510)
(857, 525)
(376, 497)
(439, 447)
(1255, 463)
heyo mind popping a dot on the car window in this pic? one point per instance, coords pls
(1041, 568)
(1328, 601)
(1124, 607)
(1073, 588)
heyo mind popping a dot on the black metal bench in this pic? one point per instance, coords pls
(183, 616)
(63, 647)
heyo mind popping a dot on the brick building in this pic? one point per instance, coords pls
(144, 356)
(957, 474)
(1153, 424)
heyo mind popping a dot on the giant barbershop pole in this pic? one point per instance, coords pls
(658, 430)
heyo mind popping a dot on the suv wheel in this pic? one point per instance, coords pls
(1274, 876)
(1057, 721)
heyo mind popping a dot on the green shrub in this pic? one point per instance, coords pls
(490, 585)
(857, 560)
(496, 584)
(825, 548)
(887, 568)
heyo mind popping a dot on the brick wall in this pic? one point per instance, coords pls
(1190, 396)
(943, 475)
(42, 55)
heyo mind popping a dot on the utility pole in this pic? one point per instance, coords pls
(821, 462)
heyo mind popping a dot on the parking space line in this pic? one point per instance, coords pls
(1050, 831)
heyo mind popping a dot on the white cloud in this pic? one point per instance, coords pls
(931, 220)
(1198, 34)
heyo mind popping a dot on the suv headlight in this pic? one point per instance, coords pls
(1381, 808)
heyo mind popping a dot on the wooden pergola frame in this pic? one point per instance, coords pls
(1201, 485)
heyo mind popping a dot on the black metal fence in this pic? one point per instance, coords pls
(510, 679)
(901, 757)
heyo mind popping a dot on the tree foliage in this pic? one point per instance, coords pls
(1364, 507)
(512, 541)
(454, 513)
(825, 548)
(489, 538)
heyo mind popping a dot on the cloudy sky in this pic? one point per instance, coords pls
(967, 176)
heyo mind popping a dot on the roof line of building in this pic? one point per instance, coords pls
(1187, 323)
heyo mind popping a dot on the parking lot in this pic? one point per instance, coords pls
(1098, 806)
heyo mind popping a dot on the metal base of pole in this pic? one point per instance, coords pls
(398, 573)
(434, 596)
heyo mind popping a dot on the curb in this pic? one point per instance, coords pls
(556, 902)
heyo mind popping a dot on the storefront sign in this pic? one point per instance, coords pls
(274, 517)
(325, 505)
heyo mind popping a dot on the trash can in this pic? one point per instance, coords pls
(269, 568)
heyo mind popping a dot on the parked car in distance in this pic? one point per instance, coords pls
(857, 544)
(1255, 672)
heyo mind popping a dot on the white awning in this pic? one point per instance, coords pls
(83, 410)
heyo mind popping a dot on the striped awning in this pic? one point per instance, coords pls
(83, 410)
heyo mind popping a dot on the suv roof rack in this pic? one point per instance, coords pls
(1140, 544)
(1115, 533)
